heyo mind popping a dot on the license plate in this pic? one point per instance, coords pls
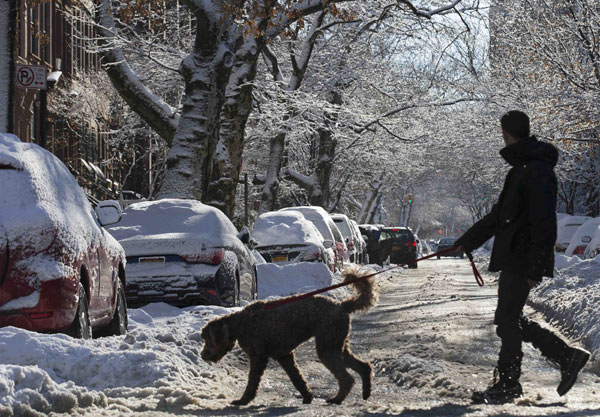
(396, 248)
(280, 258)
(152, 259)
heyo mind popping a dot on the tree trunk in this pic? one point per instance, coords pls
(206, 72)
(268, 197)
(236, 110)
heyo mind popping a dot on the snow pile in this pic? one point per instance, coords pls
(276, 280)
(570, 301)
(289, 228)
(158, 359)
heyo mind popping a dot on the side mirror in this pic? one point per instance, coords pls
(244, 235)
(108, 212)
(328, 244)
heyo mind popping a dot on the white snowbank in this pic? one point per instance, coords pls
(276, 280)
(571, 301)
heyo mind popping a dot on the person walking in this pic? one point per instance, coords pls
(523, 222)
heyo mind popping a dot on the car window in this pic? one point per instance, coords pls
(344, 227)
(402, 235)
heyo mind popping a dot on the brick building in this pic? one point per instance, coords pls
(59, 36)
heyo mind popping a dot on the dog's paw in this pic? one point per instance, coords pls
(307, 400)
(334, 400)
(241, 401)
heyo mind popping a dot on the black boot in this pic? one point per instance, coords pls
(570, 360)
(505, 386)
(570, 366)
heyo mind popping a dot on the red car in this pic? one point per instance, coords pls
(60, 271)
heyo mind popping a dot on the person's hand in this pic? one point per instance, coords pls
(532, 283)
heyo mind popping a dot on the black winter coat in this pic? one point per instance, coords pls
(523, 220)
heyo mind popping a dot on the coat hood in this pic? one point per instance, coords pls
(530, 150)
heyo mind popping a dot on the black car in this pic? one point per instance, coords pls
(400, 244)
(447, 243)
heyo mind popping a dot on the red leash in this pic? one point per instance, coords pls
(281, 302)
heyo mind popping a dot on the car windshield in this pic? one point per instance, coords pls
(403, 235)
(343, 226)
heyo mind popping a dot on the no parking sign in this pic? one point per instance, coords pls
(31, 76)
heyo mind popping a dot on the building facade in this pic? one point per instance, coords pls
(70, 117)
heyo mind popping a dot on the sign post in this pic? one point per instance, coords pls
(34, 77)
(31, 76)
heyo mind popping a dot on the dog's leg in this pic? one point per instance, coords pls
(335, 363)
(258, 364)
(288, 363)
(364, 369)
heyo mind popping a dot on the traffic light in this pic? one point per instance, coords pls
(484, 198)
(408, 199)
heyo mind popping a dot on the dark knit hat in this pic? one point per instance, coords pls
(516, 123)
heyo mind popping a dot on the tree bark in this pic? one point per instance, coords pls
(236, 110)
(206, 72)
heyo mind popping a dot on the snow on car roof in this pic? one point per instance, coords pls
(318, 216)
(567, 226)
(289, 228)
(159, 224)
(41, 198)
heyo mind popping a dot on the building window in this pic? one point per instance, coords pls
(33, 25)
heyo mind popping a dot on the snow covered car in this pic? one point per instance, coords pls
(582, 238)
(351, 238)
(60, 271)
(326, 226)
(183, 252)
(287, 237)
(566, 227)
(362, 243)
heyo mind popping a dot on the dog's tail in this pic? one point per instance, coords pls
(366, 291)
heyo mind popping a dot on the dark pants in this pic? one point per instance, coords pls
(513, 327)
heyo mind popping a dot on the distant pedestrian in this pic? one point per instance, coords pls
(523, 222)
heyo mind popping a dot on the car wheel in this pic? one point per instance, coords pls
(413, 265)
(232, 299)
(118, 324)
(81, 328)
(462, 256)
(439, 257)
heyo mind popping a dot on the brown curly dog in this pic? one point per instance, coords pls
(276, 332)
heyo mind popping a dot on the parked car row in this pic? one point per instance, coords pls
(578, 236)
(308, 233)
